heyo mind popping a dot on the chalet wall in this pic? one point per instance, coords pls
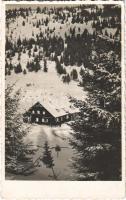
(38, 114)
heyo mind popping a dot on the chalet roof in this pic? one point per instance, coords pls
(54, 105)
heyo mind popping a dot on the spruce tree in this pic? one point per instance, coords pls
(16, 152)
(6, 65)
(45, 69)
(37, 66)
(57, 149)
(97, 129)
(81, 72)
(23, 23)
(18, 69)
(47, 158)
(9, 72)
(24, 71)
(74, 74)
(19, 42)
(35, 49)
(60, 69)
(6, 71)
(66, 78)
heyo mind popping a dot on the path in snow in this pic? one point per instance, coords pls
(38, 135)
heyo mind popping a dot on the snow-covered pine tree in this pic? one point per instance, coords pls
(60, 69)
(47, 158)
(97, 130)
(66, 78)
(17, 154)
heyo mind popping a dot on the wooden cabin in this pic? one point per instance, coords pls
(42, 115)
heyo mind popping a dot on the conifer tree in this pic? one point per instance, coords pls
(48, 159)
(57, 149)
(38, 10)
(16, 152)
(28, 65)
(19, 42)
(60, 69)
(9, 72)
(8, 45)
(81, 72)
(6, 71)
(23, 23)
(66, 78)
(45, 66)
(74, 74)
(97, 129)
(37, 66)
(6, 65)
(24, 71)
(35, 49)
(18, 69)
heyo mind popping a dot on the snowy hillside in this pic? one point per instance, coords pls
(45, 87)
(65, 61)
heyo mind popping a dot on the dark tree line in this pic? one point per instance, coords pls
(75, 47)
(97, 129)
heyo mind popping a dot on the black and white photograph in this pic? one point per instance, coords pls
(63, 75)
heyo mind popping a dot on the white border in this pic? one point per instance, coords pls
(61, 189)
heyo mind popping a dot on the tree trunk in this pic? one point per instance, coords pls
(55, 177)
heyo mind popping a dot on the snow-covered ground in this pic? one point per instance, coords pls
(55, 136)
(16, 30)
(60, 29)
(45, 87)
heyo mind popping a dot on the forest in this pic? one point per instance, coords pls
(84, 43)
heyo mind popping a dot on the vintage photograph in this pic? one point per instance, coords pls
(63, 92)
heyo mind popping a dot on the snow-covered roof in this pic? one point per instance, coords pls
(56, 106)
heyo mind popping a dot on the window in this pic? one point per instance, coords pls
(37, 119)
(57, 119)
(33, 112)
(43, 112)
(67, 116)
(47, 120)
(43, 120)
(38, 111)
